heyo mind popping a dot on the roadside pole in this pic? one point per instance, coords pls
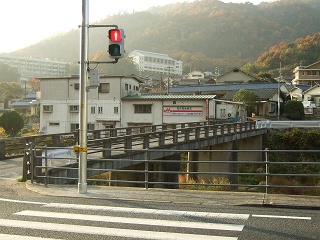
(84, 39)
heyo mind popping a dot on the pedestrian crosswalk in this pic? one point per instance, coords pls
(134, 223)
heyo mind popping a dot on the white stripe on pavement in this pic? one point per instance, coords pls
(20, 201)
(19, 237)
(282, 217)
(129, 233)
(150, 222)
(150, 211)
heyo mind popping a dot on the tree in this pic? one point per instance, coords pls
(10, 90)
(248, 98)
(34, 84)
(8, 73)
(12, 122)
(294, 110)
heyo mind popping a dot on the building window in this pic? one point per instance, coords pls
(104, 88)
(47, 108)
(74, 108)
(142, 108)
(54, 124)
(126, 87)
(74, 127)
(90, 126)
(116, 110)
(100, 110)
(76, 86)
(93, 110)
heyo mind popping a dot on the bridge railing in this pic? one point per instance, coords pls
(14, 147)
(272, 175)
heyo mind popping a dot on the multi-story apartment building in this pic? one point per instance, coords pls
(309, 75)
(31, 67)
(59, 102)
(156, 63)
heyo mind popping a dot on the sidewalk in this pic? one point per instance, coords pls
(179, 196)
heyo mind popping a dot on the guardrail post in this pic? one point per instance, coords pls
(142, 129)
(175, 136)
(96, 134)
(197, 132)
(113, 132)
(129, 131)
(106, 152)
(146, 141)
(128, 142)
(2, 150)
(26, 170)
(45, 166)
(267, 169)
(186, 134)
(146, 169)
(206, 131)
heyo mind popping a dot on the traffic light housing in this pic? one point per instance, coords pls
(116, 43)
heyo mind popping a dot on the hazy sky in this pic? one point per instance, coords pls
(26, 22)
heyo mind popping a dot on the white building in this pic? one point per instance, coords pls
(118, 103)
(31, 67)
(59, 103)
(309, 75)
(162, 109)
(156, 63)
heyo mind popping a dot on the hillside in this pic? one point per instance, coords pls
(204, 34)
(302, 51)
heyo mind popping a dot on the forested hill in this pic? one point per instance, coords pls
(302, 51)
(205, 33)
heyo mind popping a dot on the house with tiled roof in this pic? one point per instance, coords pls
(28, 105)
(236, 75)
(266, 90)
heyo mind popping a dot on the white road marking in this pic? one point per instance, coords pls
(129, 233)
(150, 211)
(19, 237)
(151, 222)
(281, 217)
(20, 201)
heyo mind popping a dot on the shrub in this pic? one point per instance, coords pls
(294, 110)
(12, 122)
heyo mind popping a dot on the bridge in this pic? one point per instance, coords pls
(128, 148)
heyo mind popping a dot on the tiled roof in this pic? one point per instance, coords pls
(264, 94)
(173, 97)
(223, 87)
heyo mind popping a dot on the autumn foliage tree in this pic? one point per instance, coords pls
(34, 83)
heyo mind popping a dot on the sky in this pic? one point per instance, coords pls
(26, 22)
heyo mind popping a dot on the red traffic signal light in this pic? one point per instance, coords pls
(116, 43)
(115, 35)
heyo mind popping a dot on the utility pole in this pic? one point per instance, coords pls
(168, 82)
(84, 39)
(280, 77)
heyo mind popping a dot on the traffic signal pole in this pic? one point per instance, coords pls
(84, 40)
(117, 43)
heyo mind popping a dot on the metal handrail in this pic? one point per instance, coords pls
(43, 171)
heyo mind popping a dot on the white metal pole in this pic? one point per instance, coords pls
(280, 72)
(82, 183)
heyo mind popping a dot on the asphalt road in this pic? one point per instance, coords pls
(28, 215)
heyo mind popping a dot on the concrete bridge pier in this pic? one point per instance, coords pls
(250, 143)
